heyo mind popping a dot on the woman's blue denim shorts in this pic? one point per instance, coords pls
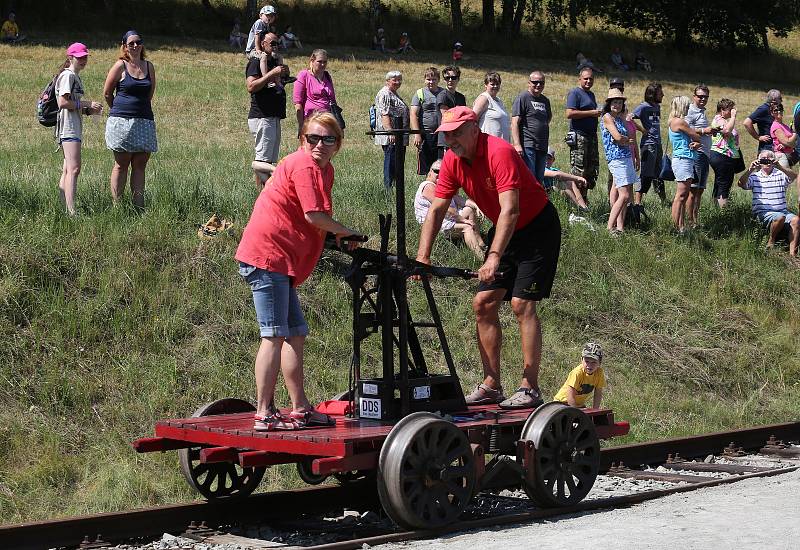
(277, 306)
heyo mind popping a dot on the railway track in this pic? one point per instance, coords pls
(280, 508)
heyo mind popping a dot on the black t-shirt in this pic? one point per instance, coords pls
(269, 101)
(449, 100)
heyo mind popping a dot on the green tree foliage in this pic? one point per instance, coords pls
(719, 23)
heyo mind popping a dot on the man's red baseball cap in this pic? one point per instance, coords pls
(455, 117)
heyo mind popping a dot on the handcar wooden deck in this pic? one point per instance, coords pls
(408, 430)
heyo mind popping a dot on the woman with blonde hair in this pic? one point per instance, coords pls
(130, 128)
(313, 89)
(279, 248)
(69, 124)
(685, 141)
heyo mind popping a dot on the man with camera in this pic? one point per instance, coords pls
(267, 105)
(768, 181)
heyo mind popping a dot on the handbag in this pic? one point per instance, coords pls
(336, 111)
(739, 166)
(666, 172)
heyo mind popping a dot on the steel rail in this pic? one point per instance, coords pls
(286, 504)
(149, 522)
(527, 517)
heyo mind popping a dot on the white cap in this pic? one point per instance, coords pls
(267, 10)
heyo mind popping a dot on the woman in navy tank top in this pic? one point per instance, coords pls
(130, 129)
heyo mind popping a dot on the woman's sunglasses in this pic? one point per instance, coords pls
(134, 43)
(313, 139)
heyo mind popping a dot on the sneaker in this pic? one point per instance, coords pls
(523, 398)
(484, 395)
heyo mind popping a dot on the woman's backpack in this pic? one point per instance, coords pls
(47, 106)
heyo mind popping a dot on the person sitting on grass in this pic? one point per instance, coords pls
(9, 33)
(567, 184)
(768, 181)
(642, 63)
(289, 40)
(405, 44)
(618, 61)
(237, 38)
(461, 219)
(584, 379)
(379, 41)
(458, 51)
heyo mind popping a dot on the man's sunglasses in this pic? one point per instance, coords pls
(134, 43)
(435, 170)
(537, 82)
(313, 139)
(273, 43)
(451, 77)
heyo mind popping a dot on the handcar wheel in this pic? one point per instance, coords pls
(566, 457)
(220, 479)
(307, 475)
(426, 473)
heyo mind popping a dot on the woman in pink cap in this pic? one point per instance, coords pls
(69, 127)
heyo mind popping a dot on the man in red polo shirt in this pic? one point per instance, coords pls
(523, 246)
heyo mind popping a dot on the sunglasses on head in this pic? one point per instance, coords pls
(134, 43)
(313, 139)
(537, 82)
(451, 77)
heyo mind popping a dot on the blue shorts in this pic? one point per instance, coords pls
(683, 168)
(68, 140)
(766, 218)
(623, 172)
(277, 306)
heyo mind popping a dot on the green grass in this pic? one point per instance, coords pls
(113, 320)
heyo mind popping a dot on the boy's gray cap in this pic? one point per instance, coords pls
(592, 350)
(267, 10)
(616, 80)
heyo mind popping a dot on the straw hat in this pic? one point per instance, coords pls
(613, 93)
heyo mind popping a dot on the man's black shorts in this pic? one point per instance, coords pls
(530, 259)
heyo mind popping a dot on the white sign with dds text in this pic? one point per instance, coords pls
(370, 408)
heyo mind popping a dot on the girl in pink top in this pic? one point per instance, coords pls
(783, 139)
(313, 90)
(278, 251)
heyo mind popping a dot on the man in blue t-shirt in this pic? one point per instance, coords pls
(582, 113)
(649, 114)
(762, 117)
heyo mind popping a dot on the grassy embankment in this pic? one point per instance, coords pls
(113, 320)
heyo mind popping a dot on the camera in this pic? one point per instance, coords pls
(765, 161)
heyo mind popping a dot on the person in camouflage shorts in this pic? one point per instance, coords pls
(582, 113)
(584, 160)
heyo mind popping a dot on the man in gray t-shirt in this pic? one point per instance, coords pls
(696, 119)
(530, 125)
(425, 117)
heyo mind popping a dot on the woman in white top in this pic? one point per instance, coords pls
(493, 118)
(69, 125)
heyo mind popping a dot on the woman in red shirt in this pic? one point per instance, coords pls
(279, 249)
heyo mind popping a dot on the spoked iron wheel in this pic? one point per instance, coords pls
(220, 479)
(426, 473)
(566, 458)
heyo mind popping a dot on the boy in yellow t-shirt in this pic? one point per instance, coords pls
(584, 379)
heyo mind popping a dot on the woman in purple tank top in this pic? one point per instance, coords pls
(130, 129)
